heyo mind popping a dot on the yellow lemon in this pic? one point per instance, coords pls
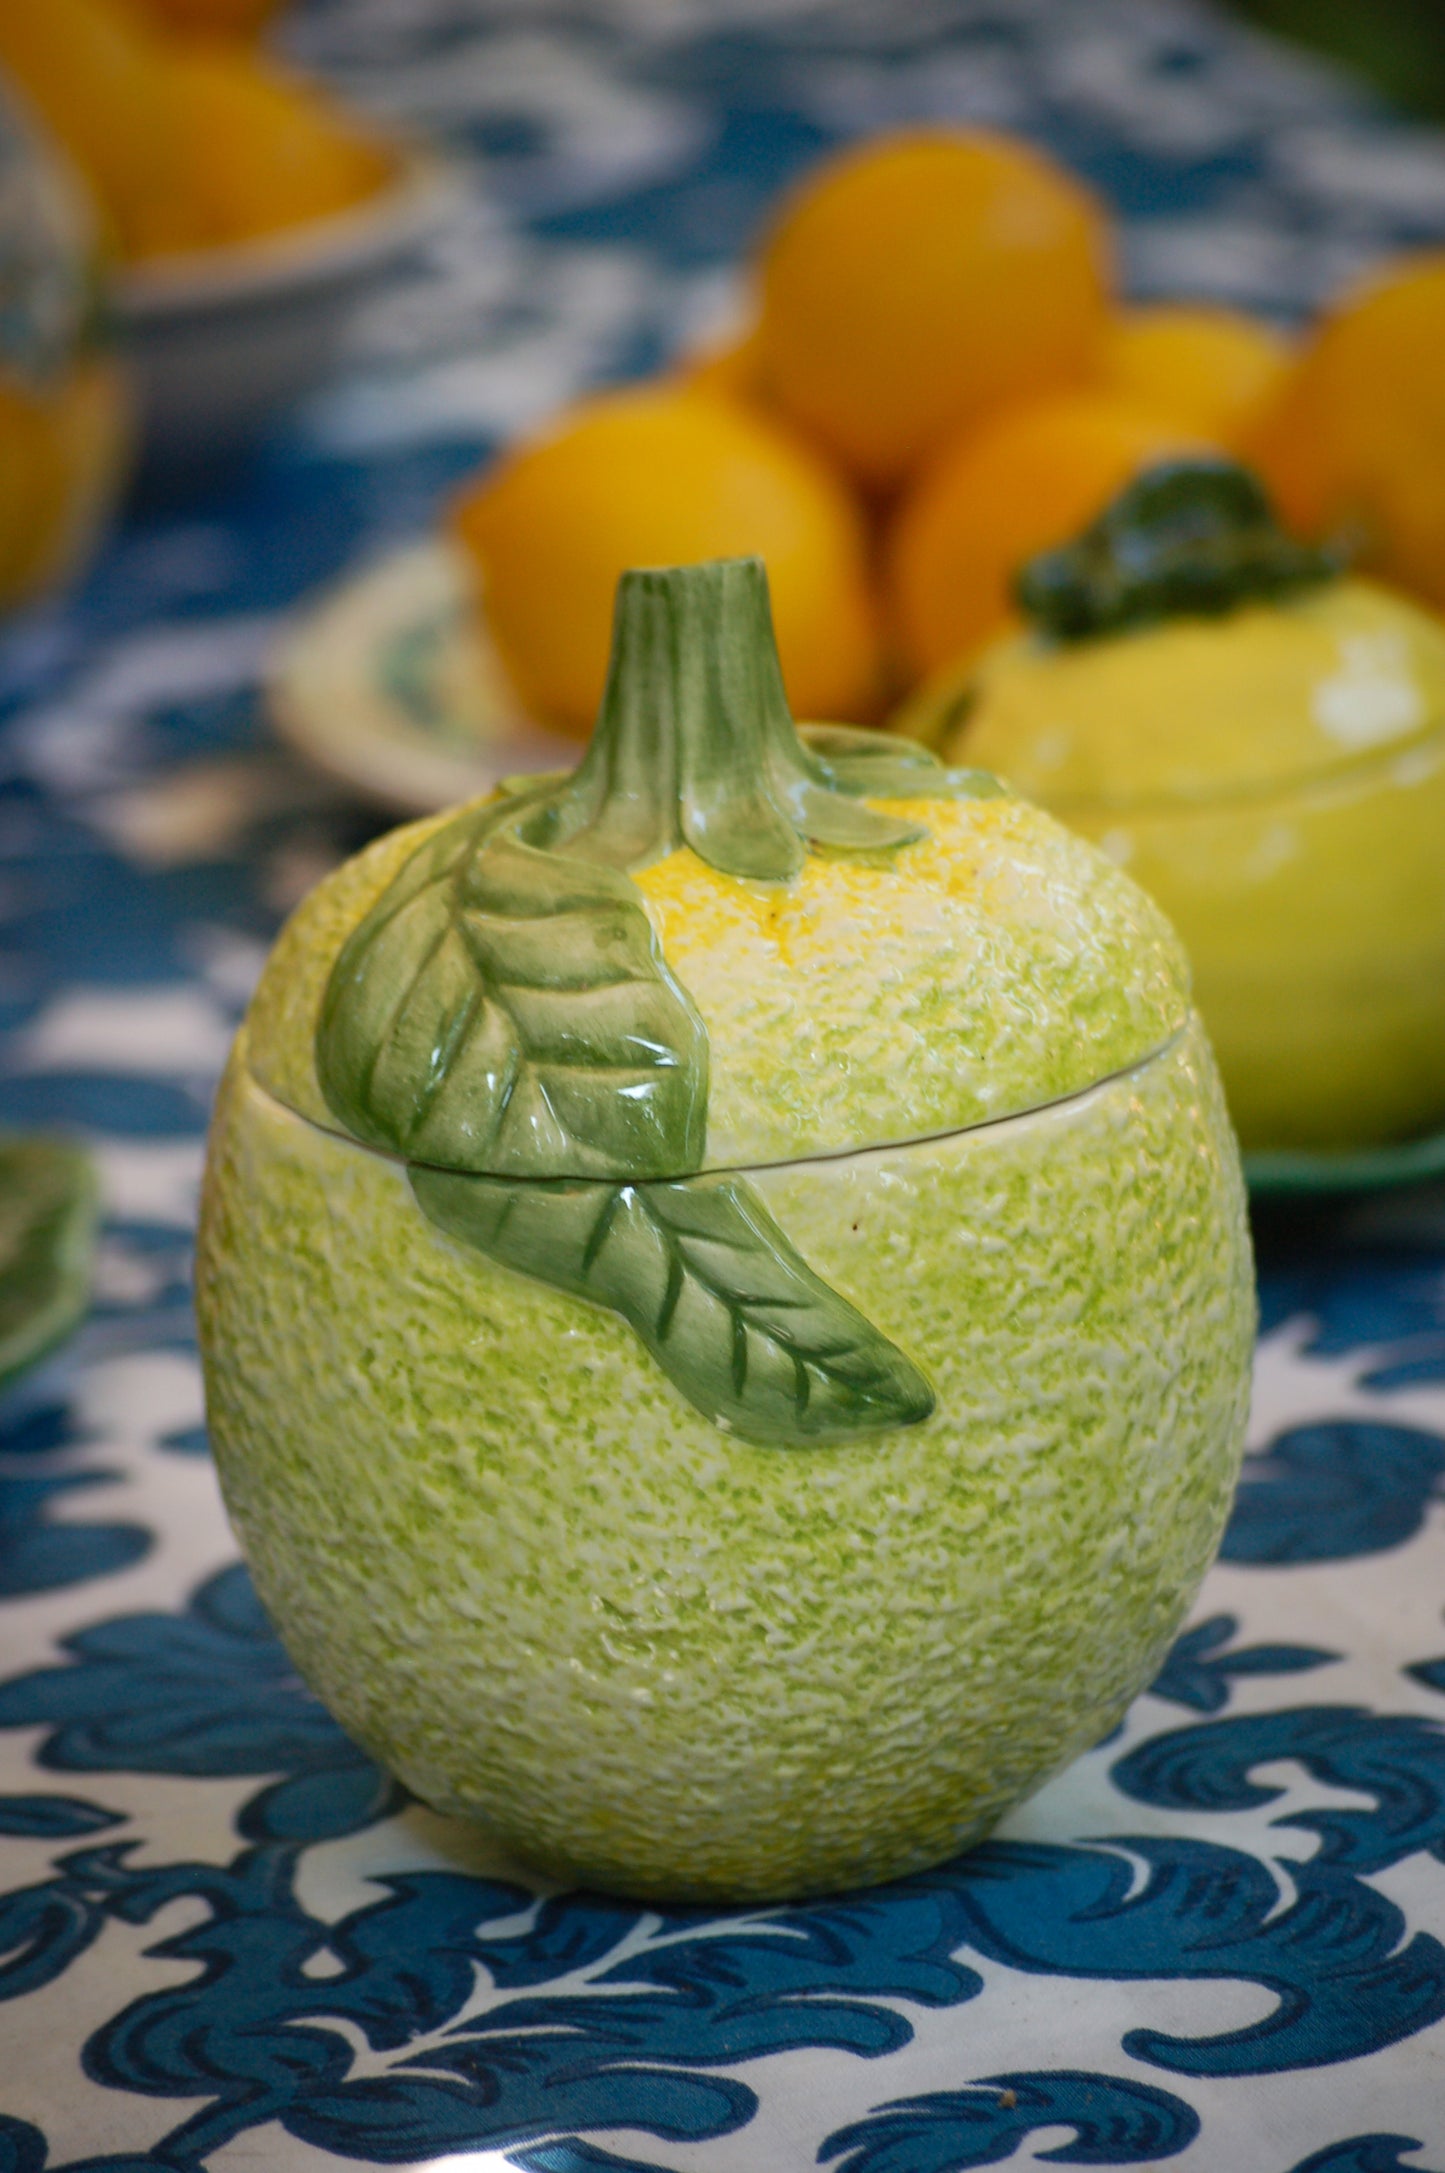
(97, 77)
(662, 475)
(260, 150)
(1354, 440)
(210, 18)
(911, 285)
(1209, 370)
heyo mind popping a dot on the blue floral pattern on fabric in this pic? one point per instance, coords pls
(209, 1692)
(670, 1997)
(255, 2032)
(1325, 1492)
(1388, 1306)
(1115, 2122)
(1363, 2154)
(40, 1552)
(1396, 1759)
(1203, 1663)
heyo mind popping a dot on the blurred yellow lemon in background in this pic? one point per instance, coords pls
(1209, 369)
(260, 150)
(665, 475)
(184, 145)
(731, 366)
(209, 18)
(995, 497)
(1355, 440)
(62, 454)
(913, 284)
(96, 77)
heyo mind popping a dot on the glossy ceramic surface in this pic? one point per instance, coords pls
(1315, 924)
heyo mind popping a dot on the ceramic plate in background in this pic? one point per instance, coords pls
(389, 685)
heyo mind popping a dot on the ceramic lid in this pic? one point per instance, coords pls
(1193, 709)
(715, 945)
(1185, 649)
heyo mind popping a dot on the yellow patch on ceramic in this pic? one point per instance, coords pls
(995, 965)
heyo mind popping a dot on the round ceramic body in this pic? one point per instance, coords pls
(541, 1587)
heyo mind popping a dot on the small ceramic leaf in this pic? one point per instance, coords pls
(507, 1009)
(47, 1229)
(706, 1278)
(886, 766)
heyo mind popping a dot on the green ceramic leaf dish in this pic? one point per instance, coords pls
(48, 1212)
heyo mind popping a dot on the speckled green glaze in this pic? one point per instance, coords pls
(536, 1583)
(996, 964)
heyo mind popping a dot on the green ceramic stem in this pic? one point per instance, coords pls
(694, 743)
(1188, 538)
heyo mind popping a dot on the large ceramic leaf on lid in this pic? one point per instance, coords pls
(581, 1010)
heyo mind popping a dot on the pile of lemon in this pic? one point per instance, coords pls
(937, 384)
(188, 136)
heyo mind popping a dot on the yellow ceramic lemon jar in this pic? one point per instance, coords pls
(1260, 740)
(724, 1290)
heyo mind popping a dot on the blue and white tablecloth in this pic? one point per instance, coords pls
(1218, 1942)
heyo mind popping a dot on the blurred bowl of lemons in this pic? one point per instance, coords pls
(896, 290)
(244, 212)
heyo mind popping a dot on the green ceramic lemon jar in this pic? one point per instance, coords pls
(724, 1290)
(1260, 741)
